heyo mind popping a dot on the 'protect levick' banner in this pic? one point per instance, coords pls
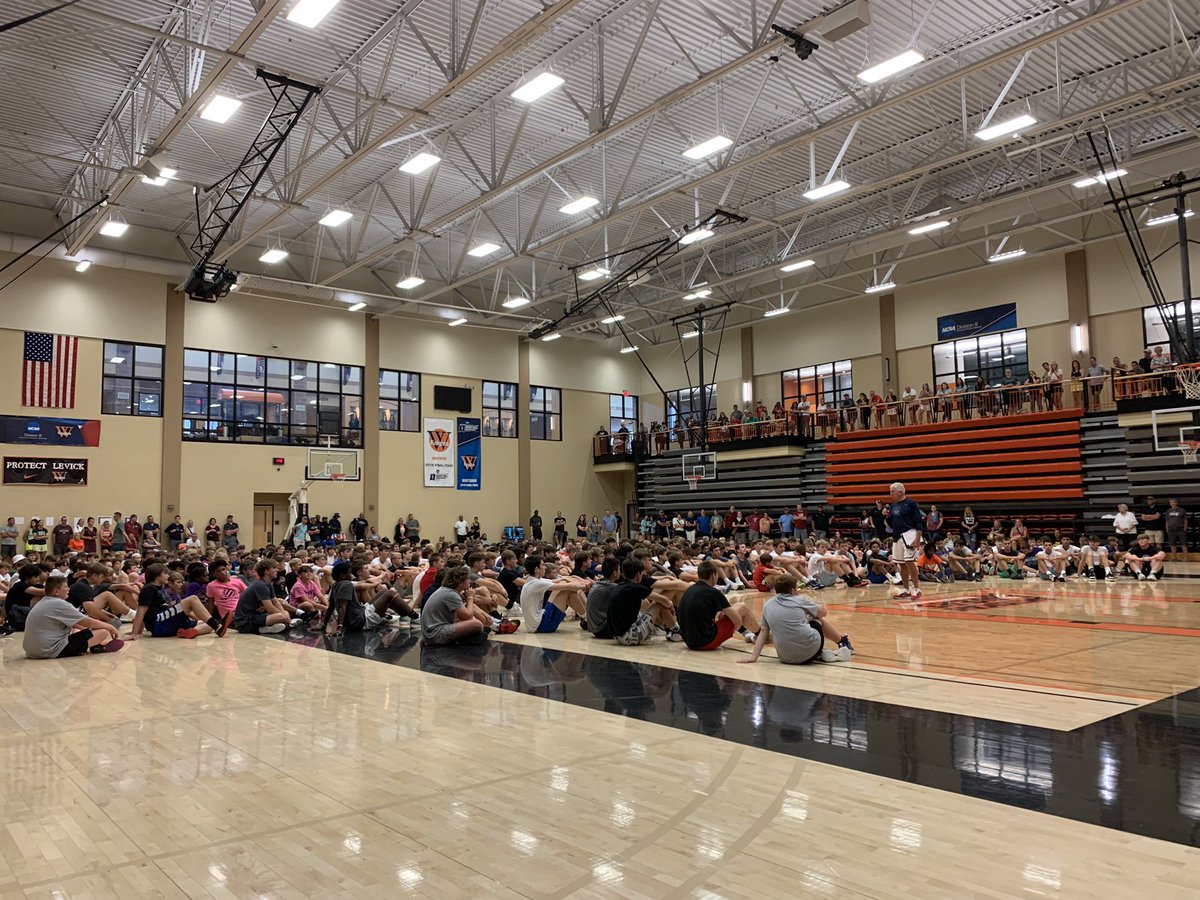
(439, 453)
(470, 457)
(44, 470)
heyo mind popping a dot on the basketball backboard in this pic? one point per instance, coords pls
(1174, 426)
(699, 467)
(333, 464)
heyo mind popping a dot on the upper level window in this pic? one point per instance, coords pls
(1155, 329)
(545, 414)
(622, 410)
(981, 361)
(399, 400)
(132, 379)
(265, 399)
(499, 409)
(684, 404)
(826, 383)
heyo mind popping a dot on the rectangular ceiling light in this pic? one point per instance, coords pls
(552, 337)
(157, 182)
(355, 307)
(629, 349)
(578, 206)
(698, 295)
(117, 360)
(410, 282)
(708, 148)
(690, 334)
(1005, 256)
(928, 227)
(515, 302)
(820, 192)
(770, 313)
(336, 217)
(485, 249)
(1169, 217)
(274, 255)
(84, 264)
(798, 265)
(536, 87)
(593, 274)
(880, 288)
(220, 108)
(893, 66)
(1099, 177)
(309, 13)
(114, 228)
(420, 163)
(459, 321)
(611, 319)
(1005, 128)
(693, 237)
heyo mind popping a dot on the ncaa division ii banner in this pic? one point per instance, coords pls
(439, 453)
(40, 430)
(44, 470)
(470, 471)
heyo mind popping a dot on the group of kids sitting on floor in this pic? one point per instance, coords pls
(76, 604)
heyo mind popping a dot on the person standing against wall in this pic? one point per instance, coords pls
(535, 525)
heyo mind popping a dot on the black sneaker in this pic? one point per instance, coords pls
(845, 642)
(583, 624)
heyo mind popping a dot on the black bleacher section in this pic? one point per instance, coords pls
(748, 484)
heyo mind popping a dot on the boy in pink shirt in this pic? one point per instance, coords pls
(222, 590)
(306, 593)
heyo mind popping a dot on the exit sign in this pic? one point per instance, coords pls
(278, 461)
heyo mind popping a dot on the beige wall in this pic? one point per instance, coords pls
(468, 353)
(266, 327)
(1115, 284)
(832, 331)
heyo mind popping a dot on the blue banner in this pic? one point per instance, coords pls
(470, 471)
(58, 432)
(977, 321)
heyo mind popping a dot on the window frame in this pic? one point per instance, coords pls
(539, 431)
(495, 413)
(1151, 319)
(402, 403)
(673, 410)
(281, 389)
(113, 381)
(626, 401)
(974, 380)
(841, 382)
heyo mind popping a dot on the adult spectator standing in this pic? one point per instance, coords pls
(460, 530)
(413, 526)
(61, 536)
(535, 525)
(703, 524)
(933, 524)
(801, 523)
(820, 522)
(879, 521)
(90, 535)
(609, 524)
(716, 524)
(1125, 524)
(1152, 521)
(229, 534)
(904, 516)
(358, 527)
(8, 538)
(118, 533)
(212, 535)
(133, 533)
(1095, 375)
(176, 533)
(970, 528)
(560, 530)
(786, 525)
(1175, 518)
(399, 532)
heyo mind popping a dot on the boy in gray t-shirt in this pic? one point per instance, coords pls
(55, 629)
(450, 616)
(799, 627)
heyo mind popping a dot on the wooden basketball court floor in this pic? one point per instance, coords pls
(1000, 740)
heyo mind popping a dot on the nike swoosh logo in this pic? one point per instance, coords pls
(30, 477)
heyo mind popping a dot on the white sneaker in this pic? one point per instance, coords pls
(916, 595)
(750, 637)
(893, 577)
(844, 654)
(295, 623)
(515, 610)
(832, 656)
(273, 629)
(1141, 576)
(1152, 577)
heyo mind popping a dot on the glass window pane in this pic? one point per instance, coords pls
(118, 359)
(195, 365)
(508, 395)
(491, 424)
(943, 359)
(304, 375)
(303, 408)
(305, 436)
(331, 377)
(148, 361)
(410, 414)
(553, 428)
(352, 379)
(537, 398)
(491, 394)
(553, 400)
(195, 400)
(251, 370)
(389, 385)
(277, 373)
(116, 399)
(410, 386)
(221, 367)
(148, 397)
(389, 416)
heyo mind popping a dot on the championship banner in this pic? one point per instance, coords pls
(38, 430)
(470, 471)
(44, 470)
(977, 321)
(439, 452)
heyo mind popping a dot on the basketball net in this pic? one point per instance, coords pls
(1190, 450)
(1189, 380)
(694, 480)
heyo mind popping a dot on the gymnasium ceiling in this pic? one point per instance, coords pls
(95, 88)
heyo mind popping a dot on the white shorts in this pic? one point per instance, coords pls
(908, 548)
(372, 618)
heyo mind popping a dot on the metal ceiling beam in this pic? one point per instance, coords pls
(828, 128)
(251, 33)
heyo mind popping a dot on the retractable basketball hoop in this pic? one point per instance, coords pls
(1188, 375)
(1190, 450)
(697, 467)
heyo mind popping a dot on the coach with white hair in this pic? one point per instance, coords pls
(905, 517)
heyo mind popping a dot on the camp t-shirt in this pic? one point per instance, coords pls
(698, 608)
(356, 617)
(438, 611)
(250, 603)
(624, 604)
(788, 616)
(62, 535)
(224, 594)
(158, 607)
(533, 600)
(1176, 518)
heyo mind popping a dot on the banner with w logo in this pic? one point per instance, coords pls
(439, 453)
(41, 430)
(470, 474)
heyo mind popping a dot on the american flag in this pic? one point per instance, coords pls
(49, 375)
